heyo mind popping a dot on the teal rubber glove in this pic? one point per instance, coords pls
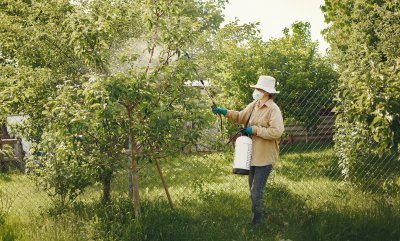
(249, 131)
(219, 110)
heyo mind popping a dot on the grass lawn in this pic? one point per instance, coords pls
(306, 199)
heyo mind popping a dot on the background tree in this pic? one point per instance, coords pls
(238, 56)
(307, 80)
(364, 38)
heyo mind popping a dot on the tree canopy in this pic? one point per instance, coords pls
(89, 75)
(239, 56)
(365, 40)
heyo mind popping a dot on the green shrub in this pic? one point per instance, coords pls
(359, 161)
(365, 48)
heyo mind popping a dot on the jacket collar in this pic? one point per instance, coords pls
(268, 103)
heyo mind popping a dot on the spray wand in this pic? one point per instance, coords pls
(214, 105)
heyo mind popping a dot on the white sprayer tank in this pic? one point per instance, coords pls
(243, 154)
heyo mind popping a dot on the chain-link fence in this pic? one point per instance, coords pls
(310, 194)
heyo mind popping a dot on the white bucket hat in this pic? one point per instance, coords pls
(266, 83)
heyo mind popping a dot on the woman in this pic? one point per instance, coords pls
(265, 128)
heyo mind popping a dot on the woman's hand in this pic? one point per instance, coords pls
(220, 111)
(249, 131)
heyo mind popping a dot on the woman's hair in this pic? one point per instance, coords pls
(271, 96)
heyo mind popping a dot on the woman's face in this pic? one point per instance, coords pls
(258, 94)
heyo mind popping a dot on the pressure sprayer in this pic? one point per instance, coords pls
(243, 144)
(214, 105)
(243, 155)
(243, 150)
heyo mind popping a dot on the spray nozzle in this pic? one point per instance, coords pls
(214, 105)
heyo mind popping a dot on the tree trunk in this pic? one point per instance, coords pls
(106, 188)
(135, 177)
(134, 168)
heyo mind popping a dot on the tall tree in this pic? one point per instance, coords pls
(91, 74)
(364, 38)
(52, 49)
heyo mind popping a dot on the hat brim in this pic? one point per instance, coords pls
(271, 91)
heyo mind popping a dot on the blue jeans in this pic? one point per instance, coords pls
(258, 177)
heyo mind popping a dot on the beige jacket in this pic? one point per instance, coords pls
(267, 124)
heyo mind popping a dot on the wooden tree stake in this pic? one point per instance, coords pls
(164, 184)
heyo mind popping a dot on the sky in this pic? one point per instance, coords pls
(275, 15)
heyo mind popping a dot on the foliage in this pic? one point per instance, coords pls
(71, 151)
(239, 55)
(59, 69)
(306, 79)
(6, 152)
(364, 37)
(48, 50)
